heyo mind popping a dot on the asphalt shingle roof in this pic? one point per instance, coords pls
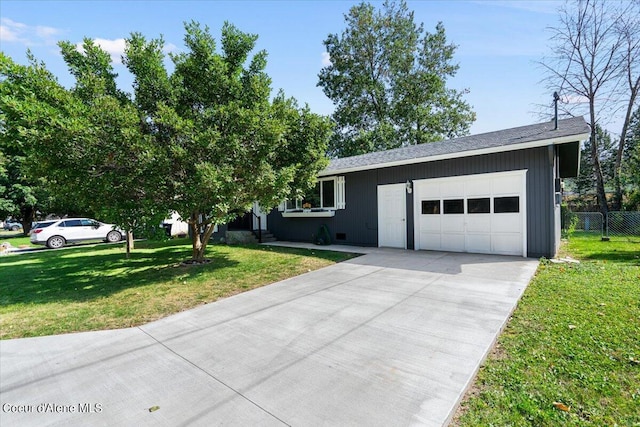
(502, 138)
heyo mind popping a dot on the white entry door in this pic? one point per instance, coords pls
(262, 215)
(392, 216)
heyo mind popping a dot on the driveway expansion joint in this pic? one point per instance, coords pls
(213, 377)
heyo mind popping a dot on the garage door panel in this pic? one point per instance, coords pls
(478, 187)
(509, 185)
(506, 223)
(452, 188)
(507, 243)
(430, 241)
(479, 223)
(428, 192)
(480, 243)
(454, 242)
(493, 219)
(452, 223)
(431, 223)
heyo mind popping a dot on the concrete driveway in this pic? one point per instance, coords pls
(392, 338)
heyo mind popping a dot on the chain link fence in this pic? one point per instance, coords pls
(622, 224)
(614, 224)
(584, 221)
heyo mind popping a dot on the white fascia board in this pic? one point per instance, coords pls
(460, 154)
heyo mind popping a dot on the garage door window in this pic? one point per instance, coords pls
(479, 206)
(431, 207)
(455, 206)
(506, 204)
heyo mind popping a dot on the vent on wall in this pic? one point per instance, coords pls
(341, 236)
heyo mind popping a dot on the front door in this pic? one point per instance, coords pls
(392, 216)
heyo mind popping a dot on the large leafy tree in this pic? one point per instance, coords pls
(29, 98)
(388, 81)
(205, 140)
(117, 169)
(228, 145)
(86, 144)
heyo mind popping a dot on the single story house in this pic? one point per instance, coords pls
(496, 193)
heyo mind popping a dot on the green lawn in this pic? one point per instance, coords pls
(17, 240)
(95, 287)
(570, 355)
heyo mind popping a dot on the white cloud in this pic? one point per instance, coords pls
(47, 33)
(169, 48)
(18, 32)
(11, 31)
(326, 59)
(7, 35)
(115, 48)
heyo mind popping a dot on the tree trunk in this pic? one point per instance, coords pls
(617, 201)
(129, 243)
(197, 254)
(28, 214)
(602, 197)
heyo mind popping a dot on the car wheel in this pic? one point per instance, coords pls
(114, 236)
(56, 242)
(15, 227)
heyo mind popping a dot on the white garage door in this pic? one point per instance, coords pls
(483, 213)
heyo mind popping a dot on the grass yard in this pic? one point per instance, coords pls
(570, 355)
(17, 240)
(92, 288)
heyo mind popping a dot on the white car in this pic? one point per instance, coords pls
(57, 233)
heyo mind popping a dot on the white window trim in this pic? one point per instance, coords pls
(324, 211)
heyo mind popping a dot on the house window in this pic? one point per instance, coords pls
(479, 206)
(506, 204)
(328, 194)
(455, 206)
(431, 207)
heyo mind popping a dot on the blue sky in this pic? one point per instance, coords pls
(498, 42)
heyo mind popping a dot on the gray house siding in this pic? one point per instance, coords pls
(357, 224)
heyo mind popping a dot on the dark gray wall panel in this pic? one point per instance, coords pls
(360, 218)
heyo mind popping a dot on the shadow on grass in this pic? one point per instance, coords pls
(321, 253)
(77, 275)
(626, 257)
(86, 274)
(624, 250)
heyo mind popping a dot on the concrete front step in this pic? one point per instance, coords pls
(248, 237)
(266, 235)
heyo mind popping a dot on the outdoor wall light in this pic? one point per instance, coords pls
(409, 187)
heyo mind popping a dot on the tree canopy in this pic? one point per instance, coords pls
(388, 81)
(227, 144)
(205, 140)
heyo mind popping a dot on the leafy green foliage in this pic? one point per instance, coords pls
(387, 78)
(205, 140)
(631, 163)
(585, 183)
(34, 111)
(226, 143)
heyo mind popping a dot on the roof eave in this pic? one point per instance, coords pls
(460, 154)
